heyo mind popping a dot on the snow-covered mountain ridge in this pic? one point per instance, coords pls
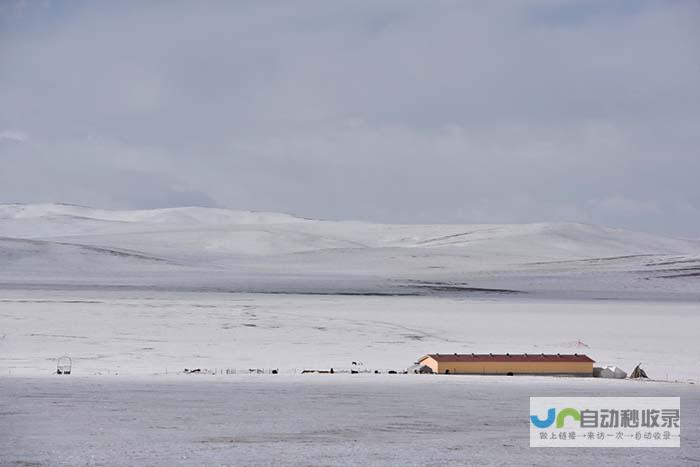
(273, 251)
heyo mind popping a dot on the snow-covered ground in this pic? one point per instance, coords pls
(142, 292)
(136, 333)
(309, 420)
(135, 297)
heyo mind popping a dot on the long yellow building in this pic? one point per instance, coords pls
(510, 364)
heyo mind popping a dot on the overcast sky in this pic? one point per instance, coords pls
(391, 111)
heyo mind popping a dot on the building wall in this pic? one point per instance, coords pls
(429, 361)
(502, 368)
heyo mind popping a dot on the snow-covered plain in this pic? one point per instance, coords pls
(135, 297)
(386, 420)
(136, 333)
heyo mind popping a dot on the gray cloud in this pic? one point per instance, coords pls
(388, 111)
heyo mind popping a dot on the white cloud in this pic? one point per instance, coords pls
(13, 135)
(383, 110)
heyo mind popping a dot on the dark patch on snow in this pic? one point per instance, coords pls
(672, 276)
(456, 287)
(591, 260)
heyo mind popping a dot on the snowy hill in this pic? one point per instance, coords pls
(53, 244)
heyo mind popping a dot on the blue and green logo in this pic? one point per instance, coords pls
(554, 417)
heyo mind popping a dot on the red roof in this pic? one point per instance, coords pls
(516, 357)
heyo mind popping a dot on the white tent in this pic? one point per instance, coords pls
(609, 371)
